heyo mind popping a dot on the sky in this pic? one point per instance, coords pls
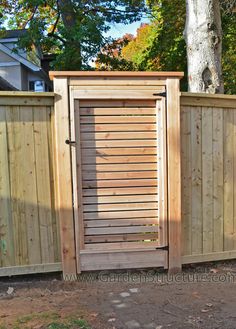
(118, 30)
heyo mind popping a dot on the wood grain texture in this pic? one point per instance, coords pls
(6, 223)
(28, 223)
(186, 165)
(211, 196)
(196, 159)
(174, 174)
(207, 180)
(64, 179)
(218, 181)
(228, 179)
(123, 74)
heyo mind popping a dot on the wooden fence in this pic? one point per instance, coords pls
(29, 232)
(29, 240)
(208, 164)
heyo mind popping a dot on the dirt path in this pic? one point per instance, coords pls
(202, 297)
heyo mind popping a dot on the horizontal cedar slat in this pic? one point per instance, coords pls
(119, 87)
(127, 259)
(117, 81)
(109, 119)
(120, 151)
(119, 199)
(117, 135)
(120, 191)
(115, 93)
(121, 245)
(121, 230)
(122, 127)
(116, 112)
(121, 214)
(119, 183)
(117, 103)
(119, 206)
(119, 167)
(93, 144)
(120, 222)
(118, 159)
(119, 175)
(124, 237)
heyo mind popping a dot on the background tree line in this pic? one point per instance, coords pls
(74, 31)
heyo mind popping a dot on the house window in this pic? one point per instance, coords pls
(37, 86)
(31, 85)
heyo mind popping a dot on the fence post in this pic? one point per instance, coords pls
(64, 180)
(174, 174)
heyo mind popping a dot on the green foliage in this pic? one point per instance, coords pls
(49, 320)
(138, 48)
(110, 57)
(229, 53)
(160, 46)
(74, 30)
(71, 324)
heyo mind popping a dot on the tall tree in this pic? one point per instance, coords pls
(203, 36)
(161, 45)
(72, 29)
(110, 57)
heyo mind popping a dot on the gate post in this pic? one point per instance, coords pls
(174, 174)
(64, 206)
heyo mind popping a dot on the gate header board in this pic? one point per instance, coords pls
(118, 169)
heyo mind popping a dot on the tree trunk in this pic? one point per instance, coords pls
(70, 22)
(203, 36)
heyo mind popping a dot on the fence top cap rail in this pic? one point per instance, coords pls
(101, 74)
(25, 94)
(209, 96)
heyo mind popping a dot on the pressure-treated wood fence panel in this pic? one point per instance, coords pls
(28, 228)
(208, 159)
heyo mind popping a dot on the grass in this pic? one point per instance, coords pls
(49, 321)
(71, 324)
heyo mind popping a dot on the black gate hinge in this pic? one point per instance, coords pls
(69, 142)
(163, 94)
(163, 248)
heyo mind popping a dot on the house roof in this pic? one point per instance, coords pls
(5, 85)
(19, 58)
(8, 34)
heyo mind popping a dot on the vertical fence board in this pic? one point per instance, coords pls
(186, 180)
(64, 180)
(16, 163)
(53, 178)
(228, 179)
(43, 184)
(6, 237)
(196, 159)
(174, 174)
(207, 180)
(28, 176)
(234, 180)
(218, 181)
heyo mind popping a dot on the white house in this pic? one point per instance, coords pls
(21, 69)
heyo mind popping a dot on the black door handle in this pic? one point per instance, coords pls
(69, 142)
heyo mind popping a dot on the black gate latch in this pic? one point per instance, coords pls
(163, 94)
(163, 248)
(69, 142)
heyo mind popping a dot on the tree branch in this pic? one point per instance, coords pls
(55, 36)
(31, 17)
(57, 20)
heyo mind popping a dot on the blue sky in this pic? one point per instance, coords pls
(118, 30)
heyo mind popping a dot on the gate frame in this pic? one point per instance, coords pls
(64, 184)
